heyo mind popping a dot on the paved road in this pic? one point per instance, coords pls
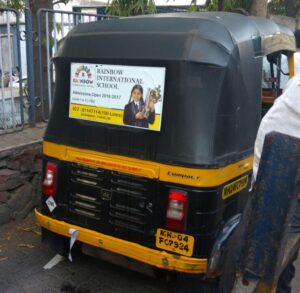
(22, 257)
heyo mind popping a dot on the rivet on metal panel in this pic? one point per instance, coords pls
(165, 262)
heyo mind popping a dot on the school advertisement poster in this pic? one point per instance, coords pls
(116, 94)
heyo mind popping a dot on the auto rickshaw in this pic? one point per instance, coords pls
(148, 151)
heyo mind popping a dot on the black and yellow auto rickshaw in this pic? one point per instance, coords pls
(148, 151)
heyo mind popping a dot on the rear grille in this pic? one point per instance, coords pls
(130, 200)
(86, 201)
(86, 175)
(116, 201)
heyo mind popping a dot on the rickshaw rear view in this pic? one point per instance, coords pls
(148, 151)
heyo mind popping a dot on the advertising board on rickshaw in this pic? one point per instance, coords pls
(115, 94)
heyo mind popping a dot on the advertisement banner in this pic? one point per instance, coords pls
(116, 94)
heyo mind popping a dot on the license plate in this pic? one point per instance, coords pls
(175, 242)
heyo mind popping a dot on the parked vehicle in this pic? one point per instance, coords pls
(148, 151)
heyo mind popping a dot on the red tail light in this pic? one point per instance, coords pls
(49, 183)
(176, 210)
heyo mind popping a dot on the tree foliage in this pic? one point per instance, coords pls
(229, 5)
(285, 7)
(15, 4)
(282, 7)
(135, 7)
(277, 7)
(130, 7)
(193, 7)
(20, 4)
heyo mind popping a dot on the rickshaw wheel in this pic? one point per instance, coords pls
(224, 283)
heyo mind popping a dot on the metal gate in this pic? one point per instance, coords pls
(12, 81)
(52, 26)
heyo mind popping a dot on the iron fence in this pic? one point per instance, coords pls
(12, 81)
(52, 26)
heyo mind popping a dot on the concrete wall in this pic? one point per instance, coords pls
(20, 181)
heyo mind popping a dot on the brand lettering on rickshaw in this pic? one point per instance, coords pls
(235, 187)
(184, 176)
(108, 164)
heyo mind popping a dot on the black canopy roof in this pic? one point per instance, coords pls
(217, 28)
(212, 100)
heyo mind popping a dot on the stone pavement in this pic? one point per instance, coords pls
(20, 138)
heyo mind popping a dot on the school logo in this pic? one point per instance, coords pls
(83, 75)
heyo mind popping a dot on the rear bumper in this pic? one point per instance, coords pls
(157, 258)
